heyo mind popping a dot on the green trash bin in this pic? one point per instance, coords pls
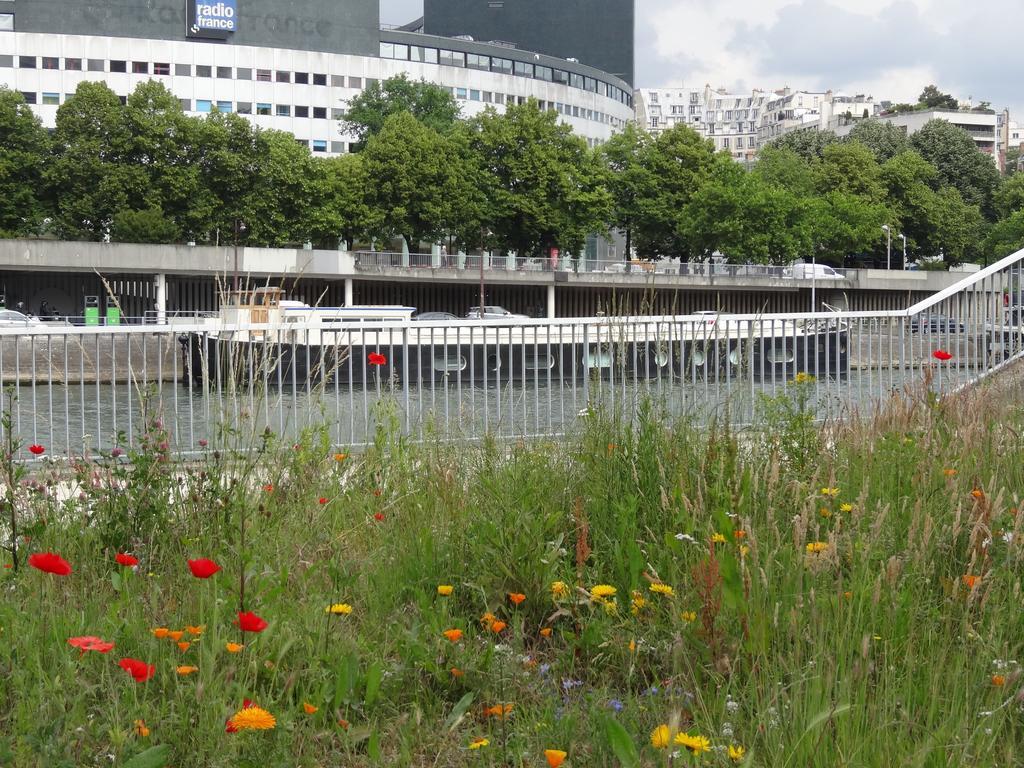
(92, 310)
(113, 316)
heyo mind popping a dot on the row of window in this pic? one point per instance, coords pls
(503, 66)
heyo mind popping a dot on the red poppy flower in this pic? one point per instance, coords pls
(250, 622)
(126, 560)
(941, 354)
(269, 487)
(322, 499)
(139, 670)
(378, 516)
(90, 643)
(376, 358)
(48, 562)
(36, 450)
(203, 568)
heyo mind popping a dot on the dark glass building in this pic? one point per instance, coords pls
(598, 33)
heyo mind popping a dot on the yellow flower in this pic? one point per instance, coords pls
(718, 538)
(253, 719)
(662, 589)
(689, 616)
(744, 549)
(632, 646)
(639, 602)
(478, 743)
(444, 590)
(736, 752)
(343, 609)
(233, 647)
(602, 591)
(309, 709)
(140, 729)
(696, 743)
(160, 632)
(846, 507)
(611, 607)
(815, 547)
(194, 631)
(559, 590)
(661, 736)
(186, 670)
(825, 512)
(803, 378)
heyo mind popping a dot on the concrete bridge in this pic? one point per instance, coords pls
(161, 280)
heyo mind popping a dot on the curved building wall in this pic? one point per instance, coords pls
(297, 90)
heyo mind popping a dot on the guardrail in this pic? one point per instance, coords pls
(77, 389)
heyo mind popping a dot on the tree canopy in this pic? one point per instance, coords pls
(430, 104)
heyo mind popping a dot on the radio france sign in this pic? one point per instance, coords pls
(211, 18)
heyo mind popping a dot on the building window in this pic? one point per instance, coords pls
(319, 79)
(338, 147)
(355, 82)
(51, 62)
(74, 64)
(474, 95)
(387, 50)
(401, 52)
(543, 73)
(263, 76)
(244, 107)
(560, 76)
(725, 143)
(320, 113)
(370, 81)
(204, 70)
(302, 111)
(29, 96)
(283, 77)
(488, 97)
(576, 81)
(224, 73)
(319, 145)
(575, 111)
(460, 93)
(27, 62)
(453, 58)
(302, 78)
(477, 61)
(262, 109)
(523, 69)
(161, 69)
(6, 22)
(52, 99)
(203, 105)
(183, 70)
(140, 67)
(243, 73)
(430, 56)
(501, 65)
(284, 110)
(224, 107)
(186, 105)
(499, 98)
(337, 113)
(302, 143)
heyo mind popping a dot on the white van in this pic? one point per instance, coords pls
(801, 271)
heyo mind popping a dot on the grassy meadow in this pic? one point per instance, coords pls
(649, 593)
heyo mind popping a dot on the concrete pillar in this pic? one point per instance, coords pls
(551, 301)
(348, 292)
(405, 253)
(160, 283)
(435, 255)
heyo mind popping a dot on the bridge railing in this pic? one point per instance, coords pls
(210, 384)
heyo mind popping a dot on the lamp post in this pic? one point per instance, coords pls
(239, 228)
(904, 239)
(888, 246)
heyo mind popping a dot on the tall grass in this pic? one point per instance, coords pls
(893, 640)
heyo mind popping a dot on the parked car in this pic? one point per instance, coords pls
(935, 324)
(803, 271)
(435, 316)
(9, 318)
(494, 313)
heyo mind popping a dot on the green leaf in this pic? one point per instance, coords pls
(154, 757)
(115, 581)
(373, 746)
(621, 743)
(373, 677)
(826, 714)
(458, 711)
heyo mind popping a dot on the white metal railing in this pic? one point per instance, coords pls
(85, 388)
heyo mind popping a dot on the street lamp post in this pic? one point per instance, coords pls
(904, 239)
(888, 246)
(239, 227)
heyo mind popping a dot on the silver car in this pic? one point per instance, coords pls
(10, 318)
(494, 313)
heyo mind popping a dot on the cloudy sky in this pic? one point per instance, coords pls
(887, 48)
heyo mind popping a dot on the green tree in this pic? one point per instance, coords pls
(844, 224)
(959, 162)
(1012, 158)
(784, 168)
(630, 179)
(339, 209)
(544, 187)
(850, 168)
(883, 139)
(932, 98)
(1009, 198)
(1005, 236)
(431, 104)
(281, 192)
(149, 225)
(24, 149)
(807, 143)
(233, 160)
(415, 176)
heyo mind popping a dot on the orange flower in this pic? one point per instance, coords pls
(739, 534)
(309, 708)
(516, 597)
(611, 448)
(970, 580)
(339, 457)
(487, 619)
(194, 631)
(998, 681)
(453, 635)
(545, 632)
(140, 729)
(185, 671)
(184, 645)
(343, 723)
(456, 672)
(160, 632)
(176, 634)
(978, 494)
(555, 757)
(498, 710)
(498, 626)
(233, 647)
(949, 472)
